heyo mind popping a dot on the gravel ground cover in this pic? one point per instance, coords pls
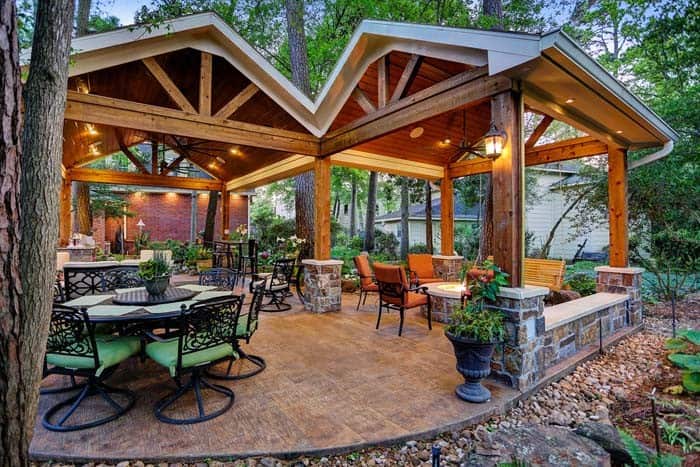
(612, 388)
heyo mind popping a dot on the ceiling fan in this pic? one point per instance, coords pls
(465, 149)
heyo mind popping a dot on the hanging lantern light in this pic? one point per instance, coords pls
(493, 142)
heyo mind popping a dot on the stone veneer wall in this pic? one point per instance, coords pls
(623, 281)
(322, 283)
(442, 308)
(563, 341)
(520, 360)
(448, 267)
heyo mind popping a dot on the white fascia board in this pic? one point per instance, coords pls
(563, 43)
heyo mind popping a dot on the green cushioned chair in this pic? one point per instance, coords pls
(74, 349)
(206, 336)
(247, 325)
(277, 285)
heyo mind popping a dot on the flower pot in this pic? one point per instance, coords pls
(157, 285)
(474, 363)
(204, 264)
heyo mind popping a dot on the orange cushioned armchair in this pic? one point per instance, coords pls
(420, 267)
(395, 293)
(367, 283)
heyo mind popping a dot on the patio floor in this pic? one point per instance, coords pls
(332, 384)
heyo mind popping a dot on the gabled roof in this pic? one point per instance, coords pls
(550, 67)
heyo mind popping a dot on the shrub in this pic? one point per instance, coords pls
(385, 244)
(418, 248)
(345, 254)
(582, 283)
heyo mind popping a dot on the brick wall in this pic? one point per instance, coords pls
(167, 215)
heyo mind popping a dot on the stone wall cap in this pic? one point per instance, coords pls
(521, 293)
(322, 262)
(447, 257)
(627, 270)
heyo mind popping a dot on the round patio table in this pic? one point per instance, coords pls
(142, 297)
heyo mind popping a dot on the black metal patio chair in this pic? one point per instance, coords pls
(122, 277)
(247, 325)
(219, 277)
(73, 349)
(206, 337)
(277, 285)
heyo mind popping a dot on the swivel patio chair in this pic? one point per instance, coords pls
(367, 282)
(248, 262)
(219, 277)
(277, 285)
(247, 325)
(395, 293)
(206, 337)
(222, 256)
(123, 277)
(421, 269)
(73, 349)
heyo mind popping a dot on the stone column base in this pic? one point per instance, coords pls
(448, 267)
(623, 281)
(322, 284)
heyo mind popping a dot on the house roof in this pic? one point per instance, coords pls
(551, 64)
(417, 211)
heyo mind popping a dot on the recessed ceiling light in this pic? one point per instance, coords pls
(212, 165)
(446, 141)
(570, 100)
(92, 131)
(619, 132)
(417, 132)
(234, 151)
(221, 159)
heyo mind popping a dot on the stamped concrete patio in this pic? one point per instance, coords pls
(333, 383)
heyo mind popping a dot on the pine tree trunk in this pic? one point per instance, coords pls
(14, 435)
(353, 207)
(494, 8)
(83, 210)
(211, 218)
(428, 217)
(404, 218)
(24, 318)
(304, 183)
(486, 230)
(371, 211)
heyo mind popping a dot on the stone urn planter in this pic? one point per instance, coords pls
(474, 364)
(157, 285)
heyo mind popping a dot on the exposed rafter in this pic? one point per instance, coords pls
(538, 131)
(168, 85)
(363, 101)
(205, 70)
(409, 74)
(115, 177)
(131, 156)
(238, 100)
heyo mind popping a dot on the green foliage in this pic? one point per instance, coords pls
(692, 335)
(142, 240)
(675, 435)
(346, 255)
(153, 268)
(583, 283)
(641, 458)
(194, 253)
(689, 363)
(418, 248)
(268, 226)
(385, 244)
(467, 239)
(474, 321)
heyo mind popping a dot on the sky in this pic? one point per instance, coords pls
(122, 9)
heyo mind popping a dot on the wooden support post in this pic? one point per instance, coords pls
(322, 208)
(64, 219)
(447, 214)
(225, 218)
(508, 173)
(617, 206)
(205, 84)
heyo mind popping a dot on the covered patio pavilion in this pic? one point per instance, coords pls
(400, 97)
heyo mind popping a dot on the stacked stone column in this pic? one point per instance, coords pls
(520, 359)
(623, 281)
(323, 289)
(448, 267)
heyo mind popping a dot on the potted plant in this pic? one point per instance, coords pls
(204, 257)
(475, 330)
(155, 274)
(240, 234)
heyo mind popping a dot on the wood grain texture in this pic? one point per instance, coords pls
(322, 208)
(507, 174)
(65, 206)
(131, 178)
(237, 101)
(447, 222)
(168, 85)
(617, 207)
(205, 84)
(363, 101)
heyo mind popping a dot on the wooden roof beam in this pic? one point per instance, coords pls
(115, 177)
(454, 92)
(286, 168)
(362, 100)
(383, 68)
(121, 113)
(205, 69)
(574, 148)
(409, 74)
(538, 131)
(132, 157)
(237, 101)
(168, 85)
(387, 164)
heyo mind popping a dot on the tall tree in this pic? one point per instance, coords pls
(27, 297)
(299, 59)
(371, 211)
(210, 222)
(81, 190)
(429, 217)
(405, 203)
(353, 204)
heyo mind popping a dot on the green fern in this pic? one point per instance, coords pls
(641, 459)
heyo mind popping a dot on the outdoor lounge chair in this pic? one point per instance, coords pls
(205, 337)
(367, 282)
(247, 325)
(421, 269)
(395, 293)
(74, 349)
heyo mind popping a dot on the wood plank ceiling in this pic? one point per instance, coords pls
(134, 81)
